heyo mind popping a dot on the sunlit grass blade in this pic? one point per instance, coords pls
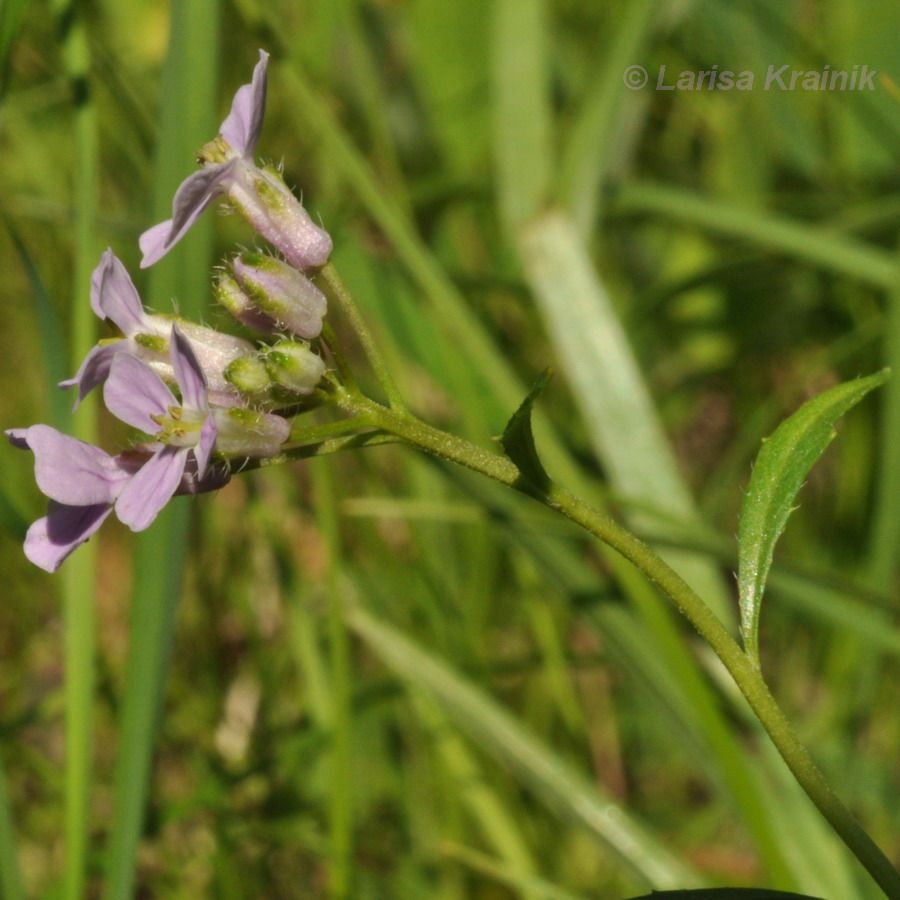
(610, 391)
(503, 736)
(778, 474)
(812, 244)
(521, 108)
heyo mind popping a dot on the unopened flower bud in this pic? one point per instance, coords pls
(233, 297)
(245, 432)
(213, 349)
(294, 366)
(282, 293)
(249, 375)
(271, 208)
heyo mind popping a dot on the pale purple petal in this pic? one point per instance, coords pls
(134, 392)
(155, 242)
(194, 194)
(204, 448)
(51, 539)
(68, 470)
(242, 126)
(114, 296)
(188, 372)
(151, 488)
(94, 369)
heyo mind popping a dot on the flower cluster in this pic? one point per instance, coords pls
(205, 399)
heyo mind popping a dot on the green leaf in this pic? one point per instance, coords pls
(723, 894)
(781, 466)
(518, 437)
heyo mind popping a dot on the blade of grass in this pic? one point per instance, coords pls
(188, 118)
(521, 109)
(159, 563)
(11, 13)
(811, 244)
(79, 578)
(535, 887)
(55, 363)
(594, 135)
(503, 736)
(340, 723)
(495, 820)
(884, 543)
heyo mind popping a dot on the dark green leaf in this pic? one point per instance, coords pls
(518, 437)
(724, 894)
(778, 474)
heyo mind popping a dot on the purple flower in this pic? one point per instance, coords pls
(186, 431)
(146, 336)
(136, 394)
(259, 194)
(82, 483)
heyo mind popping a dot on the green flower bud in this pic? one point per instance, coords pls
(294, 366)
(249, 375)
(236, 300)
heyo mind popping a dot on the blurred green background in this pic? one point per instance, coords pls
(370, 676)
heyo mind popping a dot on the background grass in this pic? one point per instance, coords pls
(371, 676)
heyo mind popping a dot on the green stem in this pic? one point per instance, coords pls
(746, 675)
(337, 354)
(350, 311)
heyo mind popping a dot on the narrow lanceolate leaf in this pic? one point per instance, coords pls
(518, 437)
(778, 474)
